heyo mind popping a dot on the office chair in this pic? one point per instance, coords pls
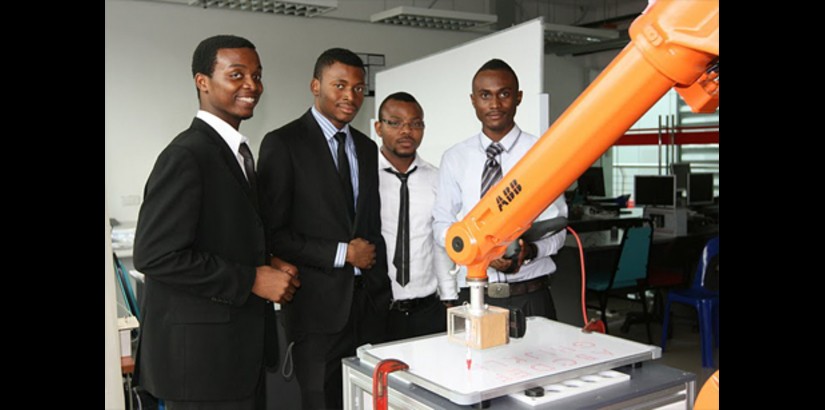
(676, 261)
(138, 397)
(629, 275)
(125, 285)
(703, 295)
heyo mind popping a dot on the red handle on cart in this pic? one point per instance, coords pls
(379, 381)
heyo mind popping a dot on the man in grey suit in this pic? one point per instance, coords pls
(208, 328)
(319, 188)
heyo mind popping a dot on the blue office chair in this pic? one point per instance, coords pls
(629, 275)
(138, 397)
(704, 297)
(125, 285)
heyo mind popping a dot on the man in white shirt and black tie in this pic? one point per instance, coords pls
(471, 167)
(417, 266)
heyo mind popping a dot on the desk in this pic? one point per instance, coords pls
(604, 240)
(127, 368)
(596, 240)
(651, 386)
(549, 353)
(588, 223)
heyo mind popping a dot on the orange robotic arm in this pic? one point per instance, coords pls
(674, 43)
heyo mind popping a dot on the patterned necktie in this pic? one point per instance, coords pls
(492, 169)
(249, 167)
(344, 173)
(401, 260)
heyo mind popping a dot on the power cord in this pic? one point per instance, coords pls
(592, 324)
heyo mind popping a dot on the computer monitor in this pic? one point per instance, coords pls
(681, 171)
(655, 190)
(700, 189)
(591, 182)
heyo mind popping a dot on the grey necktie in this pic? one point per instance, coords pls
(492, 169)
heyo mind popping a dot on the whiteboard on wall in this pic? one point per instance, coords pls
(442, 84)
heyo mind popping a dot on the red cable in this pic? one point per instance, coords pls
(584, 278)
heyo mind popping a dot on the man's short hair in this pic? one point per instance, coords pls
(206, 54)
(497, 65)
(399, 96)
(336, 55)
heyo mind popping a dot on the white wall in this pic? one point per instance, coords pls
(445, 96)
(564, 80)
(565, 77)
(150, 94)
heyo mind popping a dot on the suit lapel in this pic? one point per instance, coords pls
(329, 171)
(229, 160)
(363, 150)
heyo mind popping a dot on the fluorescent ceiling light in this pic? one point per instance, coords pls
(558, 33)
(433, 18)
(302, 8)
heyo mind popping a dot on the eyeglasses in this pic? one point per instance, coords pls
(415, 125)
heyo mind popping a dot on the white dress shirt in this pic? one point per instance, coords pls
(231, 136)
(459, 190)
(429, 263)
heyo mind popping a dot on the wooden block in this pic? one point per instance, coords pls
(487, 330)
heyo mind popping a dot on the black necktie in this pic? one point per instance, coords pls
(249, 167)
(344, 172)
(401, 260)
(492, 169)
(271, 351)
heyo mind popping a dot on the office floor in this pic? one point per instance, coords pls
(683, 351)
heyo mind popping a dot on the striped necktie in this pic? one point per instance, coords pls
(492, 169)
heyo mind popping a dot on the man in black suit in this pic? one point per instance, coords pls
(208, 325)
(319, 188)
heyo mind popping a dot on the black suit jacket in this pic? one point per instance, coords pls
(199, 238)
(305, 213)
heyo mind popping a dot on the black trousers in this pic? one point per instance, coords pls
(256, 401)
(318, 356)
(428, 318)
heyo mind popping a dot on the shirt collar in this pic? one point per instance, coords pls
(384, 163)
(232, 137)
(327, 127)
(507, 142)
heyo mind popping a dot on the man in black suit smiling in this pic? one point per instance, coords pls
(208, 325)
(319, 188)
